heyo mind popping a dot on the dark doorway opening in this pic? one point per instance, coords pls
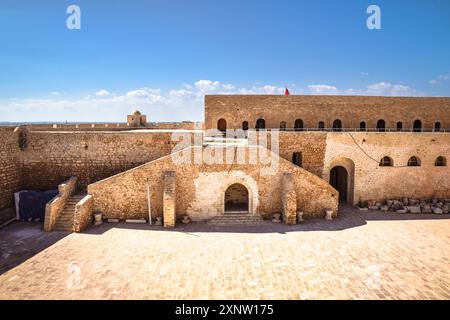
(236, 199)
(222, 125)
(339, 180)
(260, 124)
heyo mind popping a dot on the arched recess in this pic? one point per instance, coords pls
(236, 199)
(417, 126)
(252, 194)
(337, 125)
(222, 125)
(348, 169)
(298, 125)
(381, 125)
(260, 124)
(245, 125)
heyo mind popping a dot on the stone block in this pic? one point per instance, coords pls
(169, 199)
(414, 209)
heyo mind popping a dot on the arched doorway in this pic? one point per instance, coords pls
(236, 199)
(381, 125)
(337, 125)
(222, 125)
(298, 125)
(260, 124)
(339, 180)
(417, 126)
(245, 125)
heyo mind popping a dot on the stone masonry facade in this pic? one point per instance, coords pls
(112, 163)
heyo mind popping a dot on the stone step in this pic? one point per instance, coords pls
(236, 220)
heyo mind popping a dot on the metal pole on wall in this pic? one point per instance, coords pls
(149, 202)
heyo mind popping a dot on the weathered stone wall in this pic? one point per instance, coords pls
(169, 199)
(311, 145)
(289, 199)
(200, 188)
(83, 213)
(9, 168)
(364, 151)
(351, 110)
(51, 157)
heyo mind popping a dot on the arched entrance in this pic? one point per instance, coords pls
(222, 125)
(260, 124)
(339, 180)
(236, 199)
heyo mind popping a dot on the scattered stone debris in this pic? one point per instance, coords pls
(406, 205)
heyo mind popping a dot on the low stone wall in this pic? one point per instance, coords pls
(83, 214)
(200, 188)
(55, 207)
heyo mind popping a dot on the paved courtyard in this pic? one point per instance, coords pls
(360, 255)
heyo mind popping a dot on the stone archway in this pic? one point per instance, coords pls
(339, 181)
(236, 199)
(341, 175)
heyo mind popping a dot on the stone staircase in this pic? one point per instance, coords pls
(65, 220)
(236, 219)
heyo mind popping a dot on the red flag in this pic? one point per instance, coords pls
(286, 93)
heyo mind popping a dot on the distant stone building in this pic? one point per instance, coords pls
(255, 156)
(136, 119)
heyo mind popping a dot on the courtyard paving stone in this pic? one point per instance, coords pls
(360, 255)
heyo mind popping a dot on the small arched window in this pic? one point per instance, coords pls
(399, 126)
(337, 125)
(298, 125)
(381, 125)
(437, 126)
(386, 162)
(297, 158)
(417, 126)
(222, 125)
(321, 125)
(362, 126)
(260, 124)
(245, 125)
(414, 162)
(440, 162)
(283, 125)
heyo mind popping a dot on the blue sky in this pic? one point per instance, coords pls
(163, 56)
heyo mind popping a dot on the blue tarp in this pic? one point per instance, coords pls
(32, 204)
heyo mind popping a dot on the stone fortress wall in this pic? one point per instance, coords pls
(93, 153)
(200, 188)
(9, 168)
(311, 109)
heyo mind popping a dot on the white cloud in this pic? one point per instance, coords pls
(441, 78)
(143, 93)
(208, 86)
(322, 89)
(374, 89)
(102, 93)
(55, 93)
(177, 104)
